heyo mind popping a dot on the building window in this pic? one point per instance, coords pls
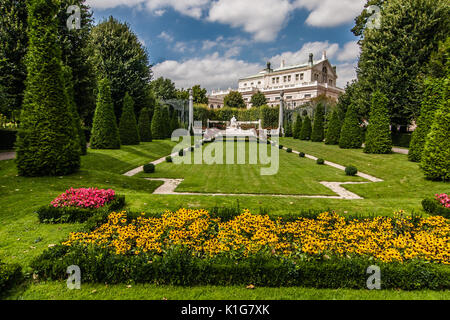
(297, 77)
(331, 82)
(289, 78)
(285, 79)
(259, 82)
(307, 96)
(302, 76)
(252, 84)
(289, 97)
(316, 77)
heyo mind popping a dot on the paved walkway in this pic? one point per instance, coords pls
(400, 150)
(7, 155)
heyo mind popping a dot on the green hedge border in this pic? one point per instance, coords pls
(10, 276)
(435, 208)
(180, 267)
(51, 215)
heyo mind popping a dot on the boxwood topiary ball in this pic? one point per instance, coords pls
(320, 161)
(351, 171)
(169, 159)
(289, 150)
(301, 154)
(280, 146)
(149, 168)
(181, 153)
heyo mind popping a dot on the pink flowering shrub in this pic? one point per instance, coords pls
(90, 198)
(444, 199)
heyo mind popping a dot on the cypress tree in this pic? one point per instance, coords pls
(305, 133)
(435, 160)
(351, 133)
(129, 133)
(378, 137)
(145, 129)
(431, 100)
(297, 127)
(157, 124)
(105, 134)
(317, 134)
(166, 122)
(68, 84)
(47, 143)
(334, 129)
(174, 124)
(288, 129)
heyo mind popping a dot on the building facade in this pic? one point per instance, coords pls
(300, 83)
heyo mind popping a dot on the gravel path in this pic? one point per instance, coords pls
(7, 155)
(400, 150)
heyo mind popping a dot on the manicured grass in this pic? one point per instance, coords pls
(296, 176)
(128, 157)
(59, 291)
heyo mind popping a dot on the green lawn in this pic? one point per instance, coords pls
(22, 237)
(296, 176)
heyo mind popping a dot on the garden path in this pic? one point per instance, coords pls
(7, 155)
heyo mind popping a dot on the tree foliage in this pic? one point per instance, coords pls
(351, 133)
(334, 129)
(158, 131)
(144, 124)
(129, 133)
(317, 134)
(431, 100)
(258, 99)
(47, 142)
(378, 137)
(435, 161)
(234, 100)
(305, 133)
(297, 127)
(105, 134)
(164, 89)
(117, 54)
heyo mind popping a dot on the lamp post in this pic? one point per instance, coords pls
(281, 116)
(191, 111)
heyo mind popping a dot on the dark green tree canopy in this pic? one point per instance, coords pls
(129, 134)
(258, 99)
(334, 129)
(105, 133)
(158, 131)
(145, 129)
(164, 89)
(297, 127)
(47, 142)
(118, 55)
(305, 133)
(317, 134)
(234, 100)
(351, 133)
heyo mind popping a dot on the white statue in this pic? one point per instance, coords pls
(234, 122)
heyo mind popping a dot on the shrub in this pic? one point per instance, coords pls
(378, 137)
(317, 134)
(431, 100)
(351, 133)
(288, 129)
(280, 146)
(157, 124)
(169, 159)
(181, 153)
(10, 276)
(165, 122)
(434, 206)
(145, 129)
(47, 141)
(435, 160)
(149, 168)
(320, 161)
(129, 133)
(302, 154)
(351, 171)
(105, 134)
(334, 129)
(305, 133)
(289, 150)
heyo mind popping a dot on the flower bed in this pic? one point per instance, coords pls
(189, 247)
(77, 205)
(439, 206)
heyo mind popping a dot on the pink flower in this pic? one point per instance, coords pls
(444, 199)
(84, 198)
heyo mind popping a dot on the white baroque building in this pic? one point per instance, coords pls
(300, 83)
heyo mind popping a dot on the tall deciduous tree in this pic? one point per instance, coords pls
(393, 56)
(118, 55)
(105, 134)
(164, 89)
(378, 137)
(47, 143)
(234, 100)
(128, 130)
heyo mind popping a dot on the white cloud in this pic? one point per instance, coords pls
(159, 13)
(165, 36)
(350, 51)
(346, 73)
(263, 18)
(212, 72)
(330, 13)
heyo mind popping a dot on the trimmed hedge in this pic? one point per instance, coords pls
(302, 154)
(179, 267)
(169, 159)
(52, 215)
(318, 133)
(334, 129)
(149, 168)
(10, 276)
(7, 139)
(158, 131)
(289, 150)
(144, 125)
(351, 133)
(320, 161)
(435, 208)
(351, 171)
(378, 136)
(305, 132)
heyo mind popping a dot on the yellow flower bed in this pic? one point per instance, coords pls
(386, 239)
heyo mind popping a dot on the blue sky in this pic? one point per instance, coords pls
(215, 42)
